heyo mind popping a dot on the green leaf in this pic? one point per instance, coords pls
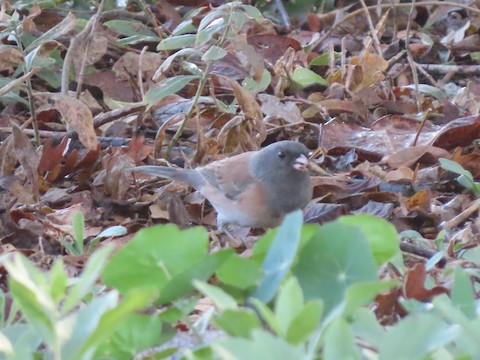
(288, 303)
(305, 323)
(134, 334)
(262, 346)
(6, 346)
(320, 60)
(362, 293)
(83, 285)
(177, 42)
(214, 53)
(220, 298)
(24, 340)
(30, 291)
(340, 342)
(238, 323)
(266, 314)
(427, 89)
(181, 284)
(78, 223)
(205, 35)
(425, 331)
(454, 167)
(98, 320)
(58, 281)
(167, 87)
(249, 84)
(306, 77)
(154, 256)
(280, 256)
(366, 326)
(239, 272)
(111, 231)
(65, 26)
(466, 178)
(463, 296)
(337, 256)
(381, 235)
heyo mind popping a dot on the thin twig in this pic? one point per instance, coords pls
(373, 33)
(420, 128)
(413, 68)
(84, 35)
(31, 103)
(140, 66)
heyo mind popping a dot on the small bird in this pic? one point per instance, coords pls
(255, 189)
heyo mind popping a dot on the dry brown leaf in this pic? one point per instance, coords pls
(78, 117)
(27, 156)
(414, 285)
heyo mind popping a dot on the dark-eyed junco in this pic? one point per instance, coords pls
(254, 189)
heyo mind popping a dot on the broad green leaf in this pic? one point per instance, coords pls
(266, 314)
(319, 60)
(288, 303)
(177, 42)
(262, 346)
(6, 346)
(154, 256)
(167, 87)
(135, 333)
(24, 340)
(184, 27)
(425, 332)
(468, 329)
(381, 235)
(337, 256)
(39, 317)
(58, 280)
(239, 272)
(220, 298)
(307, 320)
(211, 17)
(205, 35)
(280, 256)
(306, 77)
(362, 293)
(83, 285)
(340, 341)
(366, 326)
(181, 284)
(463, 296)
(238, 323)
(249, 84)
(108, 319)
(252, 11)
(214, 53)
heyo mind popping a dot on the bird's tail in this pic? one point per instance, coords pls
(185, 175)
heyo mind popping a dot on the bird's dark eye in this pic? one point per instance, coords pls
(281, 154)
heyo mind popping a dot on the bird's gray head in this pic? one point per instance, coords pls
(283, 158)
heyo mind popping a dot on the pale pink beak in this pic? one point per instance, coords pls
(301, 163)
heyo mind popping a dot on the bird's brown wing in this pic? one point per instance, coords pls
(231, 176)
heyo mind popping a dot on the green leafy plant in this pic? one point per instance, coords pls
(76, 247)
(465, 178)
(61, 317)
(302, 294)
